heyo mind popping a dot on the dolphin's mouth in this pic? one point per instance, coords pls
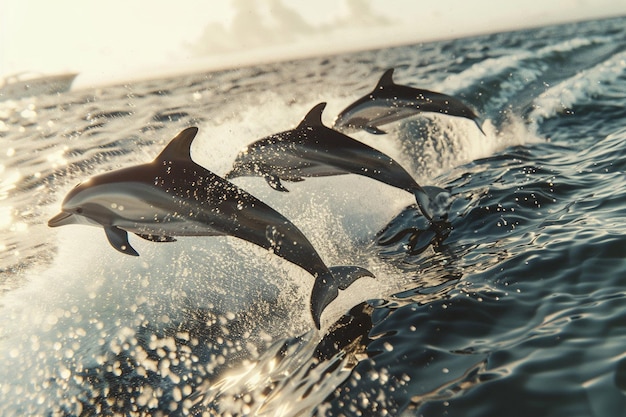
(61, 219)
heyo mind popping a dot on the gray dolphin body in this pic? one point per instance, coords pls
(174, 196)
(390, 102)
(314, 150)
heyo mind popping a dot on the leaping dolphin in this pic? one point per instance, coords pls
(314, 150)
(390, 102)
(174, 196)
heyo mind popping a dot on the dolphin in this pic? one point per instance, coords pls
(174, 196)
(314, 150)
(390, 102)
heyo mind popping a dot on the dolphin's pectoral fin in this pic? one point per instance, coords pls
(274, 182)
(118, 238)
(374, 130)
(155, 238)
(327, 286)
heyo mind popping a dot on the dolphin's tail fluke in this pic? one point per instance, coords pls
(327, 286)
(434, 202)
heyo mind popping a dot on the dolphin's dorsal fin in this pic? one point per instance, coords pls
(386, 80)
(313, 117)
(180, 146)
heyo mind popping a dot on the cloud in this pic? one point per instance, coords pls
(260, 25)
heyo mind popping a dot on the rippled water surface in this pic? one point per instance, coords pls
(520, 310)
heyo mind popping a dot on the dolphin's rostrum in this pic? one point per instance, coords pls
(314, 150)
(174, 196)
(390, 102)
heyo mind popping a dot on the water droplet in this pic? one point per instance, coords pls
(65, 373)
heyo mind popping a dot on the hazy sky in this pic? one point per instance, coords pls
(126, 38)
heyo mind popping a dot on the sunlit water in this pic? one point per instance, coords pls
(520, 310)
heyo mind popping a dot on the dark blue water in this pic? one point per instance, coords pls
(519, 310)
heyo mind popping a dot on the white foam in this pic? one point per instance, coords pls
(494, 66)
(579, 88)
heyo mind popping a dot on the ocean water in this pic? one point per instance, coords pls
(520, 310)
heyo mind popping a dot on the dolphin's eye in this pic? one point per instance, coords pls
(79, 210)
